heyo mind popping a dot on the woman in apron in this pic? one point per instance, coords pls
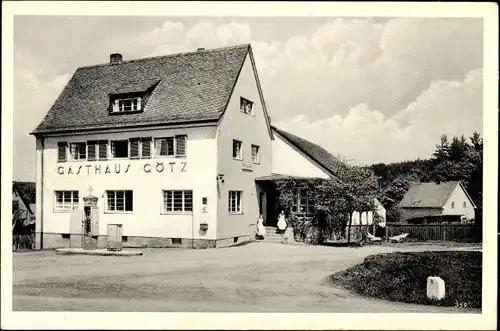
(282, 224)
(261, 230)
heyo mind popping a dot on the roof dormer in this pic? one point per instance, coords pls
(131, 97)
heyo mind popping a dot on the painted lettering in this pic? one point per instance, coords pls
(183, 166)
(60, 170)
(148, 169)
(70, 171)
(159, 166)
(107, 171)
(117, 168)
(128, 166)
(97, 169)
(171, 166)
(88, 169)
(79, 168)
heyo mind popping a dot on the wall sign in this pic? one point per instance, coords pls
(247, 166)
(117, 168)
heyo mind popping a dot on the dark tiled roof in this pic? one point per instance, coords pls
(27, 192)
(314, 151)
(192, 86)
(428, 195)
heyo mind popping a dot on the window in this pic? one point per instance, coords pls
(146, 147)
(103, 149)
(119, 148)
(453, 204)
(78, 151)
(119, 201)
(237, 150)
(127, 105)
(246, 107)
(177, 201)
(134, 147)
(66, 200)
(92, 150)
(465, 205)
(61, 151)
(235, 202)
(302, 202)
(255, 154)
(171, 146)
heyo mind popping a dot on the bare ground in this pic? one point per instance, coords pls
(258, 277)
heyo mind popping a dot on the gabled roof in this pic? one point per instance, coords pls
(430, 195)
(317, 153)
(27, 193)
(190, 87)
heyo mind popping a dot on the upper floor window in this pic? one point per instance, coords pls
(119, 148)
(302, 201)
(78, 151)
(61, 151)
(237, 150)
(171, 146)
(246, 106)
(127, 105)
(97, 150)
(255, 154)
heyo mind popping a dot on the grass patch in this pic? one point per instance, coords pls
(403, 277)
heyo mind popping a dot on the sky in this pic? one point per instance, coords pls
(369, 90)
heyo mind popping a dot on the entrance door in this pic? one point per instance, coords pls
(262, 204)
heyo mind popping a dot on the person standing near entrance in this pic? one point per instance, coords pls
(282, 224)
(261, 230)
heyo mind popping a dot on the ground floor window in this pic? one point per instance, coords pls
(235, 203)
(119, 201)
(66, 200)
(302, 201)
(177, 201)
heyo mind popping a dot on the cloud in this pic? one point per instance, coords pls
(34, 94)
(368, 136)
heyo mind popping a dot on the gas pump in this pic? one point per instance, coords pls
(90, 222)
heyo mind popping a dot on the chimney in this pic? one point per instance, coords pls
(115, 58)
(200, 49)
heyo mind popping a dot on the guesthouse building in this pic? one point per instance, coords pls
(178, 150)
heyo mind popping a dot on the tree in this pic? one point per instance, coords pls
(442, 150)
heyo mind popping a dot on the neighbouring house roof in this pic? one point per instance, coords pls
(429, 195)
(27, 193)
(276, 177)
(313, 151)
(186, 87)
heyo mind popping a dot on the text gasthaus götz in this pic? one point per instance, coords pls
(117, 168)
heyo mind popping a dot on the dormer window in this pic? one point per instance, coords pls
(123, 105)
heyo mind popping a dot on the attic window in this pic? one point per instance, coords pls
(123, 105)
(246, 107)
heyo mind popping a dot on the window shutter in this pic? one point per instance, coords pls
(180, 145)
(91, 149)
(146, 147)
(134, 147)
(103, 150)
(61, 151)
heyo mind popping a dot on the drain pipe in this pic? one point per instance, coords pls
(192, 229)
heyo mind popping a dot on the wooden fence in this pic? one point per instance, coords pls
(23, 242)
(436, 232)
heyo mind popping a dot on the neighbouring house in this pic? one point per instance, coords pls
(437, 202)
(177, 149)
(367, 217)
(23, 206)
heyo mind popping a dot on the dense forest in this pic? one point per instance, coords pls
(459, 159)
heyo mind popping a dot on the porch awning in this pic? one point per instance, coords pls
(276, 177)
